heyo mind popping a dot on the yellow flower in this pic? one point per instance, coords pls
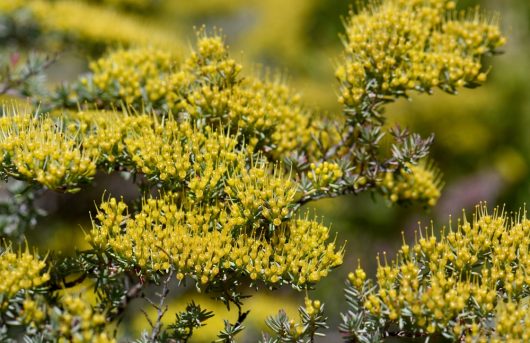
(93, 23)
(395, 46)
(79, 322)
(20, 270)
(39, 150)
(203, 241)
(417, 183)
(259, 109)
(443, 284)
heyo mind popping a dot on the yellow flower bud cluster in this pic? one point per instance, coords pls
(289, 129)
(324, 174)
(453, 284)
(420, 183)
(102, 133)
(33, 312)
(512, 324)
(175, 152)
(211, 61)
(311, 319)
(357, 277)
(79, 323)
(267, 113)
(62, 153)
(126, 73)
(94, 24)
(394, 46)
(20, 271)
(206, 86)
(204, 242)
(38, 149)
(312, 308)
(12, 121)
(264, 109)
(474, 34)
(258, 194)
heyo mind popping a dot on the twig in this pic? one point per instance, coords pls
(407, 334)
(160, 308)
(147, 317)
(32, 71)
(347, 189)
(67, 284)
(241, 316)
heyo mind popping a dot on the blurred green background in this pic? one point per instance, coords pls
(482, 143)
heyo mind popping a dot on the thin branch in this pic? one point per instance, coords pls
(31, 71)
(161, 308)
(241, 316)
(347, 189)
(407, 334)
(67, 284)
(134, 292)
(147, 317)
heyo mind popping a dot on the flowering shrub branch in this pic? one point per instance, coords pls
(467, 285)
(225, 159)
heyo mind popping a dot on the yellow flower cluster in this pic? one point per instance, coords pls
(421, 183)
(311, 306)
(357, 277)
(447, 284)
(257, 193)
(207, 241)
(324, 174)
(20, 271)
(125, 73)
(64, 152)
(394, 46)
(266, 111)
(79, 323)
(33, 312)
(297, 329)
(102, 133)
(512, 324)
(206, 86)
(211, 60)
(38, 149)
(175, 152)
(147, 75)
(94, 23)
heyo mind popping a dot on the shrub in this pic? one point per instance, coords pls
(224, 159)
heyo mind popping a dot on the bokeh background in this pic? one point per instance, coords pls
(482, 143)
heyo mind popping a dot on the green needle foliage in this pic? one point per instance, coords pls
(193, 317)
(312, 319)
(224, 159)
